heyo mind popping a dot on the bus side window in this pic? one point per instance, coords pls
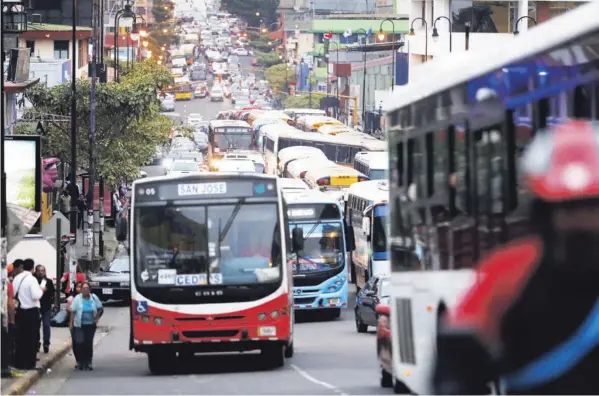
(330, 150)
(343, 155)
(352, 153)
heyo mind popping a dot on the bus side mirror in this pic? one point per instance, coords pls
(350, 239)
(297, 239)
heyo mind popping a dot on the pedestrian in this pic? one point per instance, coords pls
(74, 294)
(46, 304)
(65, 203)
(8, 326)
(82, 209)
(27, 297)
(86, 311)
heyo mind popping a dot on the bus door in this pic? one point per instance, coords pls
(367, 222)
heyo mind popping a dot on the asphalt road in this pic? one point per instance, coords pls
(331, 358)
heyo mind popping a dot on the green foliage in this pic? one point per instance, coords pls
(268, 59)
(128, 125)
(300, 102)
(186, 131)
(246, 9)
(279, 76)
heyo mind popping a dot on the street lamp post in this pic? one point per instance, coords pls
(425, 35)
(363, 81)
(336, 76)
(381, 37)
(126, 15)
(436, 33)
(516, 32)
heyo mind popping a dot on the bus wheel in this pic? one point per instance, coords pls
(274, 355)
(399, 388)
(386, 379)
(289, 350)
(160, 363)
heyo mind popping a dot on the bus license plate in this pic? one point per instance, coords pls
(107, 291)
(334, 301)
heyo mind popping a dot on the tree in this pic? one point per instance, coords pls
(268, 59)
(247, 9)
(301, 102)
(128, 126)
(279, 76)
(161, 10)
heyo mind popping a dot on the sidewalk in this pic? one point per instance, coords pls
(22, 380)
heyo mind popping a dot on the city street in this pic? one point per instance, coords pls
(330, 358)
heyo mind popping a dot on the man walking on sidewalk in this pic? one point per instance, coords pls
(46, 303)
(27, 295)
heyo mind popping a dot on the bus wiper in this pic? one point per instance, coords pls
(222, 234)
(312, 230)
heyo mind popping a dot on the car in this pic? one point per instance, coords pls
(236, 165)
(201, 140)
(241, 52)
(241, 103)
(375, 292)
(217, 94)
(181, 167)
(255, 62)
(113, 282)
(194, 118)
(200, 92)
(167, 104)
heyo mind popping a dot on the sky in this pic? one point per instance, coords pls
(19, 155)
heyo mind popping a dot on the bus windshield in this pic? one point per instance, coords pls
(378, 174)
(202, 245)
(323, 247)
(233, 140)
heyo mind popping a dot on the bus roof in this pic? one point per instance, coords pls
(373, 190)
(302, 165)
(294, 152)
(317, 119)
(333, 129)
(311, 196)
(204, 176)
(319, 172)
(374, 159)
(288, 184)
(229, 123)
(356, 139)
(462, 67)
(299, 112)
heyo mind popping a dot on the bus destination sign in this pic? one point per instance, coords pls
(206, 189)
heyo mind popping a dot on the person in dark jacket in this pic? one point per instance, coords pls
(82, 209)
(46, 304)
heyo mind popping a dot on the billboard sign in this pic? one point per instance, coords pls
(23, 161)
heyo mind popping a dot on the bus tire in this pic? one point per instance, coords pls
(289, 350)
(399, 388)
(386, 379)
(160, 363)
(274, 355)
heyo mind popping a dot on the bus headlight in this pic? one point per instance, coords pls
(158, 321)
(332, 289)
(145, 319)
(274, 314)
(262, 316)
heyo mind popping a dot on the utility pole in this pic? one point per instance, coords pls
(74, 190)
(91, 186)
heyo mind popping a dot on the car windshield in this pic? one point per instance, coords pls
(185, 166)
(323, 247)
(120, 264)
(203, 245)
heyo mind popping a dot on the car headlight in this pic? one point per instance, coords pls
(94, 283)
(125, 283)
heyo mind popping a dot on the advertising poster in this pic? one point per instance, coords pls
(22, 162)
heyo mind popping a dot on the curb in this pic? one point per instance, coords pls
(28, 380)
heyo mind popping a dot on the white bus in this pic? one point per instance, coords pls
(338, 148)
(292, 185)
(375, 165)
(290, 154)
(294, 114)
(456, 135)
(367, 211)
(298, 169)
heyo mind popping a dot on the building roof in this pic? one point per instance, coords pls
(341, 25)
(50, 27)
(13, 87)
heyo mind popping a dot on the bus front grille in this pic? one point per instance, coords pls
(210, 333)
(407, 354)
(304, 300)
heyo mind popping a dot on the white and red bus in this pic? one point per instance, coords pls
(226, 135)
(209, 268)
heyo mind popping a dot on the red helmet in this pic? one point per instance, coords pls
(562, 164)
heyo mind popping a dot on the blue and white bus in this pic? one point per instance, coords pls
(373, 164)
(320, 273)
(366, 210)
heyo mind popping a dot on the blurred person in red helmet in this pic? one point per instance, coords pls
(530, 323)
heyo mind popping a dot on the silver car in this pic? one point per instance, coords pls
(167, 104)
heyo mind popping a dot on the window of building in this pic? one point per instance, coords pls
(61, 49)
(485, 16)
(31, 45)
(348, 40)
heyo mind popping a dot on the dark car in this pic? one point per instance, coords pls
(114, 281)
(375, 292)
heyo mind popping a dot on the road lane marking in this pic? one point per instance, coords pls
(317, 381)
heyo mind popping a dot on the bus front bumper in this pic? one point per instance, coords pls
(311, 298)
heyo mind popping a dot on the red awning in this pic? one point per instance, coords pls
(123, 41)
